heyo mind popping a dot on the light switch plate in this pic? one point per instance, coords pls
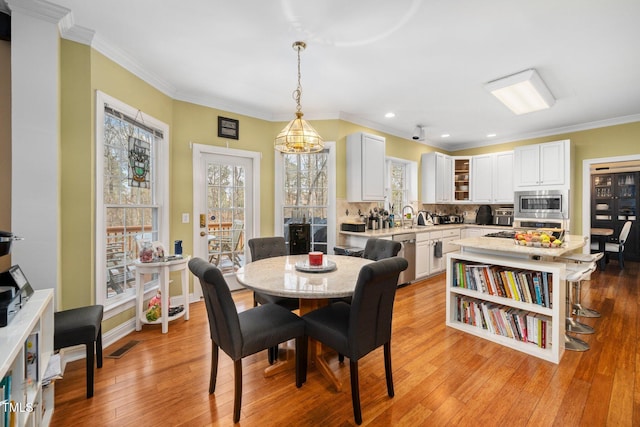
(185, 218)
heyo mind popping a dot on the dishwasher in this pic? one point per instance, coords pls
(408, 252)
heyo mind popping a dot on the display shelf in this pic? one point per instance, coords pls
(33, 405)
(554, 314)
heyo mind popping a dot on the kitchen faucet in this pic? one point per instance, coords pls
(404, 216)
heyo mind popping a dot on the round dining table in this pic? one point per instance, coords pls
(290, 276)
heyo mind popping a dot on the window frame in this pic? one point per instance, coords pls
(411, 178)
(125, 301)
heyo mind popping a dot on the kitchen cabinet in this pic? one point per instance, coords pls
(540, 165)
(503, 177)
(365, 167)
(422, 255)
(614, 201)
(461, 175)
(437, 178)
(444, 237)
(492, 178)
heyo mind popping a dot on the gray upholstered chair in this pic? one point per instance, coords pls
(356, 329)
(268, 247)
(242, 334)
(81, 326)
(377, 249)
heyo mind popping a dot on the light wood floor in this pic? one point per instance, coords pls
(442, 376)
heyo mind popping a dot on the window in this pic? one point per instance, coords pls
(402, 183)
(305, 187)
(130, 194)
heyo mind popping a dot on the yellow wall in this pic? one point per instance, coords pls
(83, 71)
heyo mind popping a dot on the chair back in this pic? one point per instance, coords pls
(372, 305)
(267, 247)
(236, 234)
(224, 324)
(624, 233)
(377, 249)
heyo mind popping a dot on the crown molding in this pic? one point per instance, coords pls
(39, 9)
(76, 33)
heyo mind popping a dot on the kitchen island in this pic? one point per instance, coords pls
(510, 294)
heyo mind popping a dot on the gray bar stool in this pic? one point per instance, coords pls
(575, 274)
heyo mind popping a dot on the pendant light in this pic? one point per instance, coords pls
(298, 136)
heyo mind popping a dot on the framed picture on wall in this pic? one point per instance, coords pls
(228, 128)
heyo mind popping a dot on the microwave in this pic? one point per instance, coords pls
(542, 204)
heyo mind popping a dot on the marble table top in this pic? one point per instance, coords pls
(278, 276)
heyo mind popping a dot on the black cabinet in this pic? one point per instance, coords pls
(299, 239)
(614, 201)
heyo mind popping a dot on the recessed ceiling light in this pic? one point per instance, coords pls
(491, 135)
(390, 115)
(445, 135)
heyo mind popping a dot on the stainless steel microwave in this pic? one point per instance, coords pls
(542, 204)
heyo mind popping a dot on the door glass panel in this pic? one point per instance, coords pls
(226, 215)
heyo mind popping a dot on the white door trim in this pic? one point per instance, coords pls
(586, 190)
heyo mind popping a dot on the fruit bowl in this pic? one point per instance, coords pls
(541, 238)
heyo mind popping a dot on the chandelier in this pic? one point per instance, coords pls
(298, 136)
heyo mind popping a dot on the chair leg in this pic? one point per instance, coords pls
(99, 348)
(340, 357)
(621, 259)
(355, 391)
(387, 369)
(89, 357)
(301, 361)
(237, 398)
(214, 368)
(272, 353)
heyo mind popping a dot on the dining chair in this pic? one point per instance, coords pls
(268, 247)
(356, 329)
(616, 247)
(246, 333)
(377, 249)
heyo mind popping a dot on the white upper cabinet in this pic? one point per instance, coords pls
(365, 167)
(437, 178)
(482, 169)
(503, 177)
(539, 165)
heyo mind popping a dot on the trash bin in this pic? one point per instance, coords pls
(348, 251)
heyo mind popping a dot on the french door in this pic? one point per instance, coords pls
(225, 194)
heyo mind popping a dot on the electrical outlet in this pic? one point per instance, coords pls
(185, 218)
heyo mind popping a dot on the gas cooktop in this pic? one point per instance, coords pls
(502, 234)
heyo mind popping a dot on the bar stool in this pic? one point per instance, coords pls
(590, 259)
(575, 274)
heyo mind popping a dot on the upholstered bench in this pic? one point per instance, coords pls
(81, 326)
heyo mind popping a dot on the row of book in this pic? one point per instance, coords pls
(535, 287)
(517, 324)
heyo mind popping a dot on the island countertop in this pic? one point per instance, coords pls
(508, 246)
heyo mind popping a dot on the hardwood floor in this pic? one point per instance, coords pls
(442, 376)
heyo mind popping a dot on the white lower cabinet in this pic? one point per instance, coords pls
(491, 297)
(422, 255)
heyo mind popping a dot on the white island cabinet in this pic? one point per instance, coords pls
(26, 346)
(365, 167)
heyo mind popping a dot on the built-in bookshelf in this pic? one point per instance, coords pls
(26, 346)
(518, 303)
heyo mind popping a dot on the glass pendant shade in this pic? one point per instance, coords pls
(298, 137)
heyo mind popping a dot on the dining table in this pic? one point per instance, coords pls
(291, 276)
(601, 234)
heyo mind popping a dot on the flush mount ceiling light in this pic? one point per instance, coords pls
(298, 136)
(522, 93)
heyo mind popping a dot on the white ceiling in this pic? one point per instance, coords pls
(425, 60)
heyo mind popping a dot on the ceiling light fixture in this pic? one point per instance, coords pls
(298, 136)
(419, 133)
(491, 135)
(445, 135)
(390, 115)
(522, 93)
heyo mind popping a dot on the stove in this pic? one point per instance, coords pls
(502, 234)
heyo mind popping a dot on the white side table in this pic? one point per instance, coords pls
(163, 269)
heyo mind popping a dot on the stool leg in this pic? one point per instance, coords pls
(89, 358)
(571, 325)
(578, 309)
(99, 348)
(574, 344)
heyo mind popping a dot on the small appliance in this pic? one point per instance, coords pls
(503, 216)
(484, 216)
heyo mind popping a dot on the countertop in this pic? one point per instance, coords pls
(497, 245)
(385, 232)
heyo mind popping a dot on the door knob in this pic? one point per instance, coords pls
(202, 233)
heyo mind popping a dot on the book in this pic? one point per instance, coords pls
(31, 362)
